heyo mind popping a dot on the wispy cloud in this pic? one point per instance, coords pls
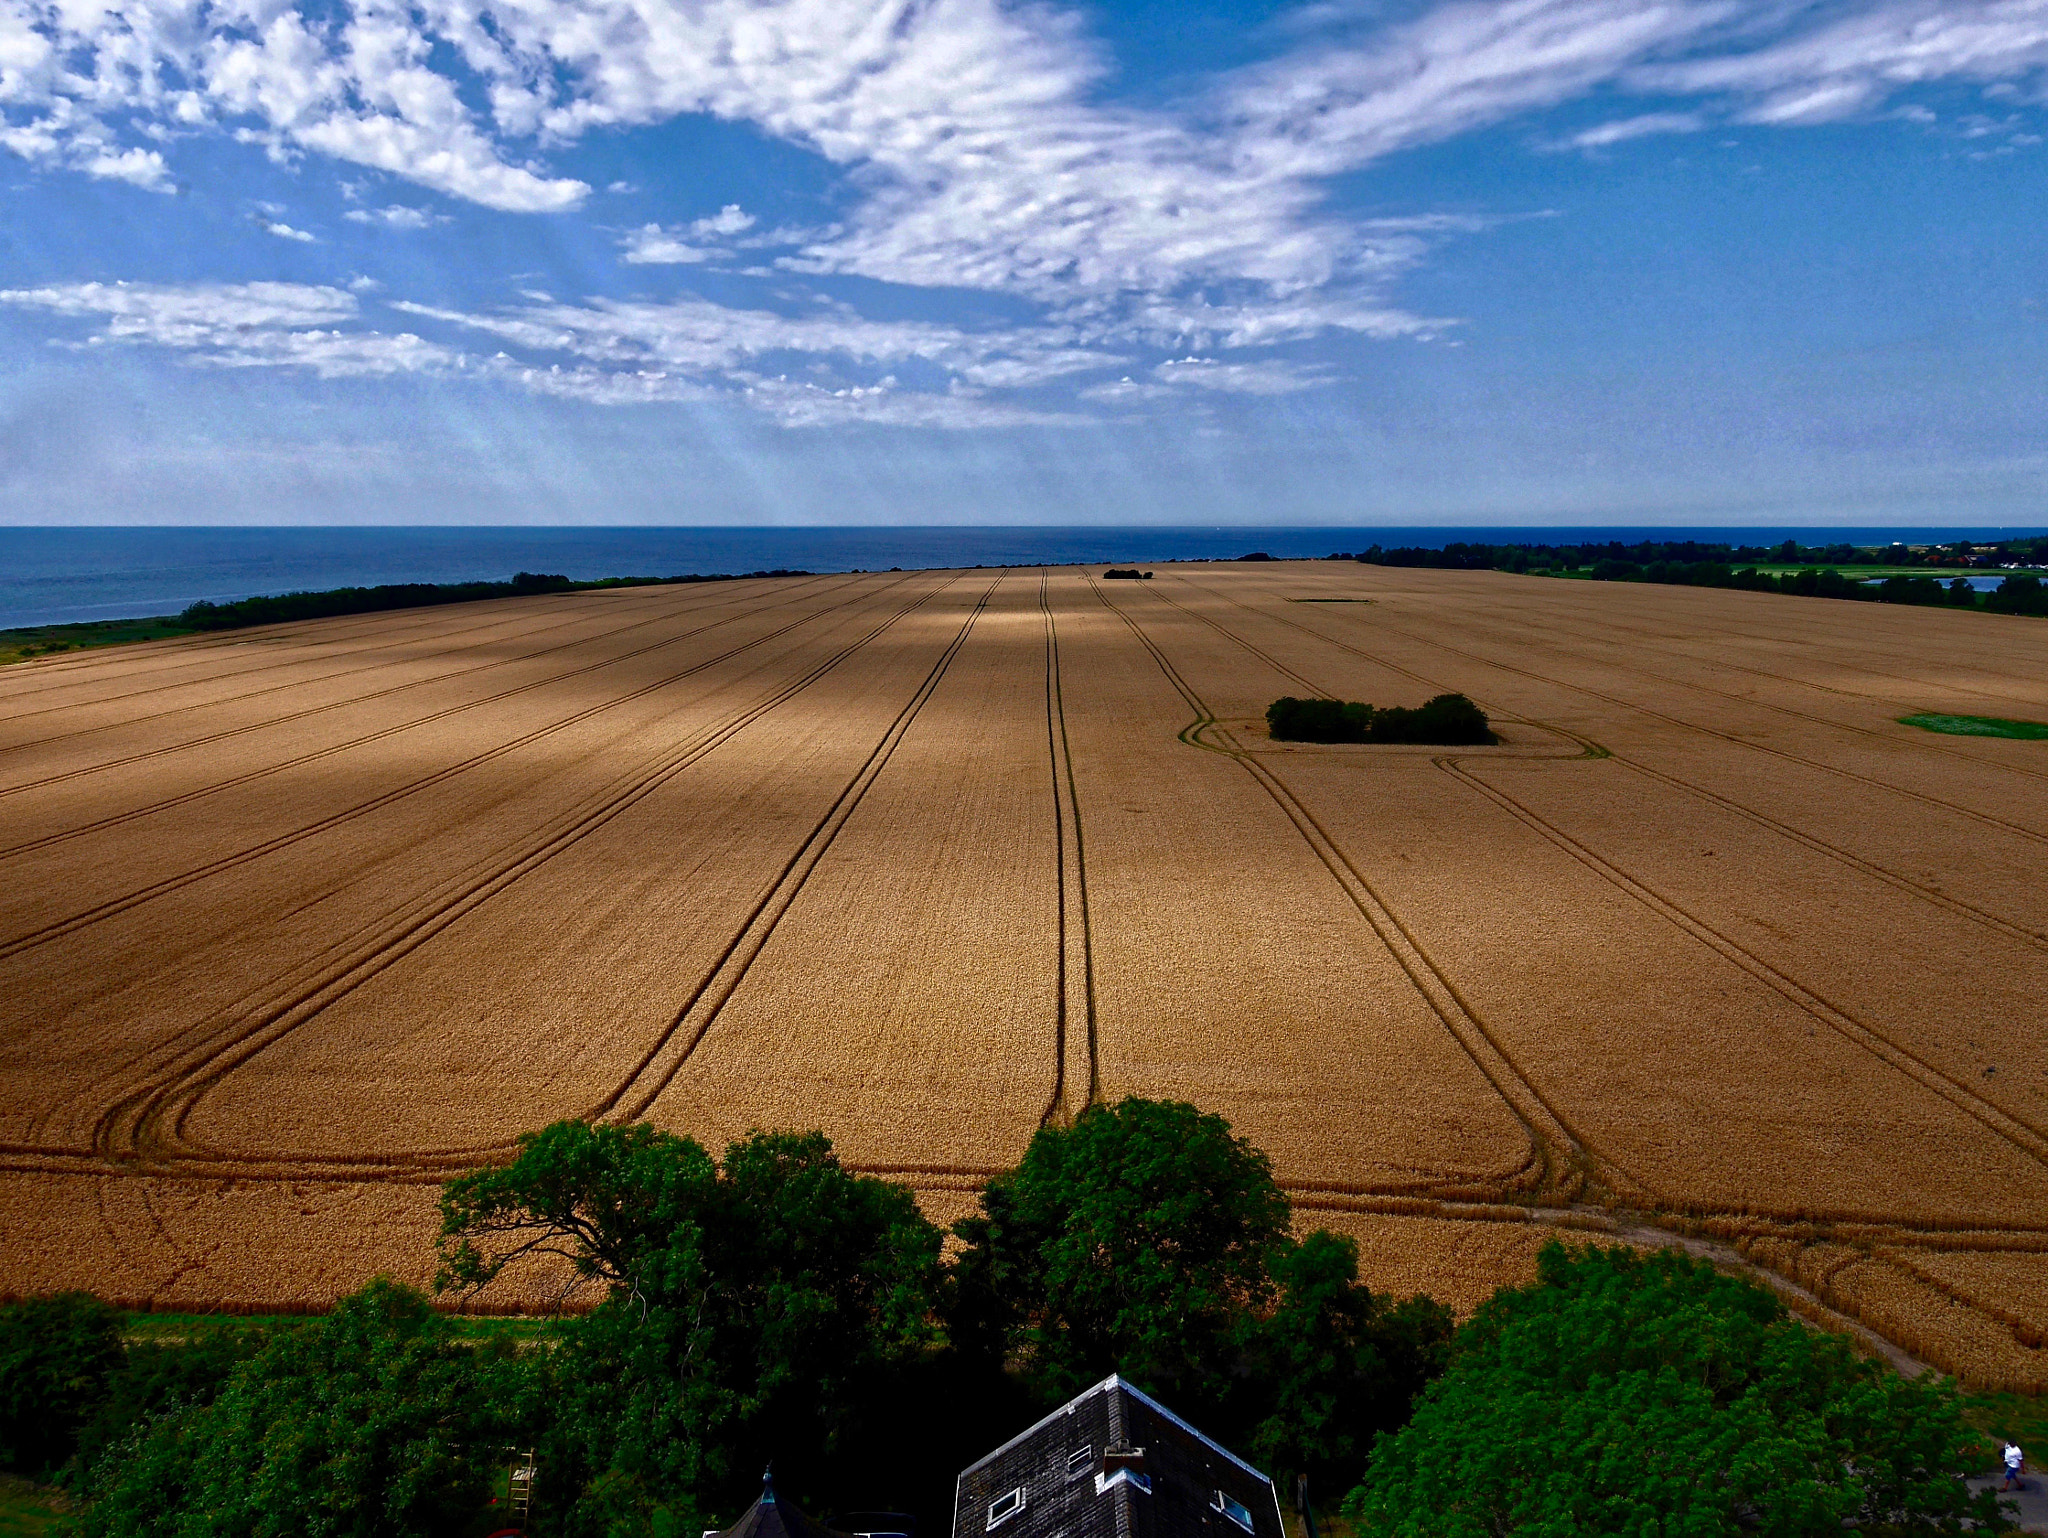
(396, 216)
(1148, 248)
(1619, 131)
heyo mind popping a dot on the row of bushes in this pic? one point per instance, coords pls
(773, 1304)
(334, 602)
(1691, 564)
(1447, 720)
(1467, 556)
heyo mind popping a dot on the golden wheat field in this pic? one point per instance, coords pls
(295, 921)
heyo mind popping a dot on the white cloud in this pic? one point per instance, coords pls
(653, 244)
(980, 149)
(240, 325)
(1853, 62)
(657, 244)
(1268, 376)
(1622, 129)
(396, 216)
(729, 220)
(1126, 392)
(284, 231)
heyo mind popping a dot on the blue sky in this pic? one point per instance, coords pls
(955, 261)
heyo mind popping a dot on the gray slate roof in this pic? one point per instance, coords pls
(1114, 1463)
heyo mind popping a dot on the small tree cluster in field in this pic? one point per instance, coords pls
(1449, 720)
(772, 1303)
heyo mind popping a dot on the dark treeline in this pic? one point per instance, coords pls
(772, 1303)
(1931, 579)
(333, 602)
(1449, 720)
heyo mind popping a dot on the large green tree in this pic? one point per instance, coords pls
(1137, 1240)
(1148, 1239)
(1332, 1364)
(373, 1421)
(1650, 1394)
(756, 1306)
(57, 1356)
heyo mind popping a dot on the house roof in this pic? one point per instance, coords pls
(1113, 1462)
(772, 1517)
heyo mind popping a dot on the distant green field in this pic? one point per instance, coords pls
(28, 641)
(1978, 726)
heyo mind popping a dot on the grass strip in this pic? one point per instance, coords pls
(1978, 726)
(30, 641)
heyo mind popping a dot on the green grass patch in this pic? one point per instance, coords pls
(28, 1510)
(1978, 726)
(2022, 1417)
(29, 641)
(171, 1329)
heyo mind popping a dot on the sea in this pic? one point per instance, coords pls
(58, 575)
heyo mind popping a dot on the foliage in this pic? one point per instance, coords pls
(1694, 563)
(373, 1420)
(157, 1377)
(1334, 1364)
(1978, 726)
(1629, 1393)
(1447, 720)
(2019, 594)
(1132, 1241)
(24, 642)
(57, 1354)
(281, 607)
(360, 600)
(756, 1307)
(1148, 1240)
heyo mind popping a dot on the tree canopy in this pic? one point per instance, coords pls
(1131, 1241)
(57, 1355)
(1649, 1393)
(755, 1307)
(373, 1421)
(1148, 1239)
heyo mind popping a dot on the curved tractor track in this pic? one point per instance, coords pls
(2027, 1138)
(146, 1125)
(111, 907)
(168, 1105)
(1558, 1155)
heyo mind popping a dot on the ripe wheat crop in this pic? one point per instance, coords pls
(296, 921)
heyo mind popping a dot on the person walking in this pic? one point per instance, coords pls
(2015, 1460)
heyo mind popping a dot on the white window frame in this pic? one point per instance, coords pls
(1236, 1511)
(1080, 1461)
(1004, 1507)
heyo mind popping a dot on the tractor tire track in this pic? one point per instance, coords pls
(59, 928)
(692, 1022)
(1076, 983)
(2034, 939)
(2024, 1136)
(409, 638)
(177, 652)
(1741, 742)
(1890, 738)
(311, 710)
(146, 1126)
(116, 819)
(1558, 1152)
